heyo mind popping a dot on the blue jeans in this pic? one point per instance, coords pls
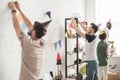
(92, 72)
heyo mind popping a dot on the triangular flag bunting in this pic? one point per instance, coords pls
(59, 42)
(66, 35)
(100, 32)
(51, 46)
(55, 45)
(49, 14)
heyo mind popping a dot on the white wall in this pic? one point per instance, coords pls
(90, 11)
(10, 52)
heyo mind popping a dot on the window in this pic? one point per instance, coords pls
(109, 9)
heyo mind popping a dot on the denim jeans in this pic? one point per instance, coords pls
(92, 72)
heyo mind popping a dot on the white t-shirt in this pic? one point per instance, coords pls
(107, 31)
(90, 47)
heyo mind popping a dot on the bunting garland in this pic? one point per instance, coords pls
(59, 42)
(55, 45)
(52, 45)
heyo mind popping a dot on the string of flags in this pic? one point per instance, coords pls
(57, 44)
(52, 45)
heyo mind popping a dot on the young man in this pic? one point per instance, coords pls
(32, 49)
(102, 53)
(90, 48)
(107, 31)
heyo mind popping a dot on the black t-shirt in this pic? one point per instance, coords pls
(89, 37)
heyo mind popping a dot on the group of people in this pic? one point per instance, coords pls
(32, 48)
(96, 49)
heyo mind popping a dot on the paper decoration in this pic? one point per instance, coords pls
(99, 24)
(51, 46)
(71, 25)
(66, 35)
(59, 42)
(46, 23)
(49, 14)
(55, 45)
(100, 32)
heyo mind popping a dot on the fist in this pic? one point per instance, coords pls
(17, 5)
(11, 5)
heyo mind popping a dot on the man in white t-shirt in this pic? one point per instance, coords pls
(107, 30)
(90, 48)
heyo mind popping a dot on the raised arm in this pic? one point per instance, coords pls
(16, 25)
(79, 32)
(25, 19)
(83, 26)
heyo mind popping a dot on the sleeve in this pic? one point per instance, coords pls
(89, 37)
(24, 39)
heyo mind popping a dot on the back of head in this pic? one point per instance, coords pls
(95, 27)
(108, 25)
(40, 30)
(102, 36)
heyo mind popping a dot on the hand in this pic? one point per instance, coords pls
(11, 6)
(73, 22)
(17, 5)
(111, 55)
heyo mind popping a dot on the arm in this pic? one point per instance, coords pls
(25, 19)
(79, 32)
(83, 27)
(16, 25)
(107, 53)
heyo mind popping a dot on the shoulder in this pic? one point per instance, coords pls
(90, 38)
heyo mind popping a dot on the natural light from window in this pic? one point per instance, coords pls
(109, 9)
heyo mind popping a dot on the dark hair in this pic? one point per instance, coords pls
(102, 36)
(95, 27)
(39, 29)
(109, 25)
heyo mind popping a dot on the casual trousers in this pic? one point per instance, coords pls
(92, 72)
(103, 72)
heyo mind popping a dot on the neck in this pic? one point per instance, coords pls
(92, 33)
(35, 39)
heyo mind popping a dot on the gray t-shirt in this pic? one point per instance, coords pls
(31, 59)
